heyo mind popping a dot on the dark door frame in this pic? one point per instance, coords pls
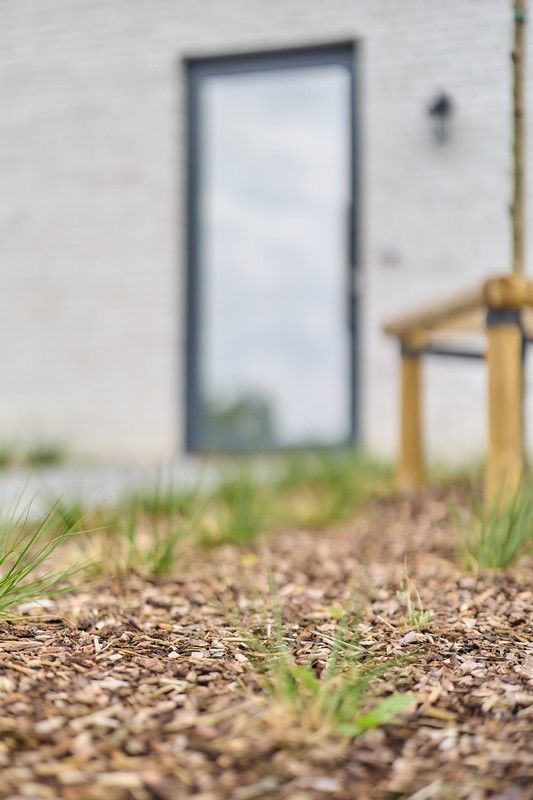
(196, 69)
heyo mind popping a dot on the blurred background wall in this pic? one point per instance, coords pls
(92, 201)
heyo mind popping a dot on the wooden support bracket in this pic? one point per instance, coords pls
(504, 301)
(507, 292)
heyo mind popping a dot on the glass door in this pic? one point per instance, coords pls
(271, 359)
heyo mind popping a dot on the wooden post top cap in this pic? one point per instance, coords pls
(508, 292)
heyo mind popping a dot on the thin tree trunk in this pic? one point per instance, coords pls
(518, 201)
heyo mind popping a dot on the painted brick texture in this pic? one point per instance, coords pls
(92, 211)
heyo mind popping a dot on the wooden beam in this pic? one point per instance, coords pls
(505, 460)
(433, 314)
(411, 458)
(462, 312)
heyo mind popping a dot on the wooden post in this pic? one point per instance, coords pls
(505, 461)
(411, 459)
(519, 139)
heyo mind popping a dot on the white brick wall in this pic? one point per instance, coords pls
(91, 214)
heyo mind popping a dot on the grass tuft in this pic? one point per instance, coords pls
(325, 486)
(237, 511)
(341, 698)
(24, 552)
(8, 456)
(495, 539)
(134, 541)
(146, 532)
(170, 502)
(420, 618)
(417, 616)
(44, 455)
(68, 515)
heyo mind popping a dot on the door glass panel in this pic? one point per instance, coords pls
(274, 362)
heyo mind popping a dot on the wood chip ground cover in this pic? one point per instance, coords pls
(143, 689)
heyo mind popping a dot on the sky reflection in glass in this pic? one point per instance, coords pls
(274, 191)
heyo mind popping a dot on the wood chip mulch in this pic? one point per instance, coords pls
(144, 690)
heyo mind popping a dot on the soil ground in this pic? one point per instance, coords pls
(143, 689)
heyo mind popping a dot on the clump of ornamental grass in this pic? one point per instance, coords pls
(148, 530)
(37, 455)
(324, 486)
(71, 515)
(495, 538)
(416, 614)
(143, 533)
(44, 455)
(340, 698)
(420, 618)
(172, 501)
(135, 541)
(26, 573)
(8, 456)
(236, 511)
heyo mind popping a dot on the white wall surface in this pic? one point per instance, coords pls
(91, 201)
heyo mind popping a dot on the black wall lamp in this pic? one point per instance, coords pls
(440, 112)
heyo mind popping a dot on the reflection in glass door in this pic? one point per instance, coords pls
(271, 250)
